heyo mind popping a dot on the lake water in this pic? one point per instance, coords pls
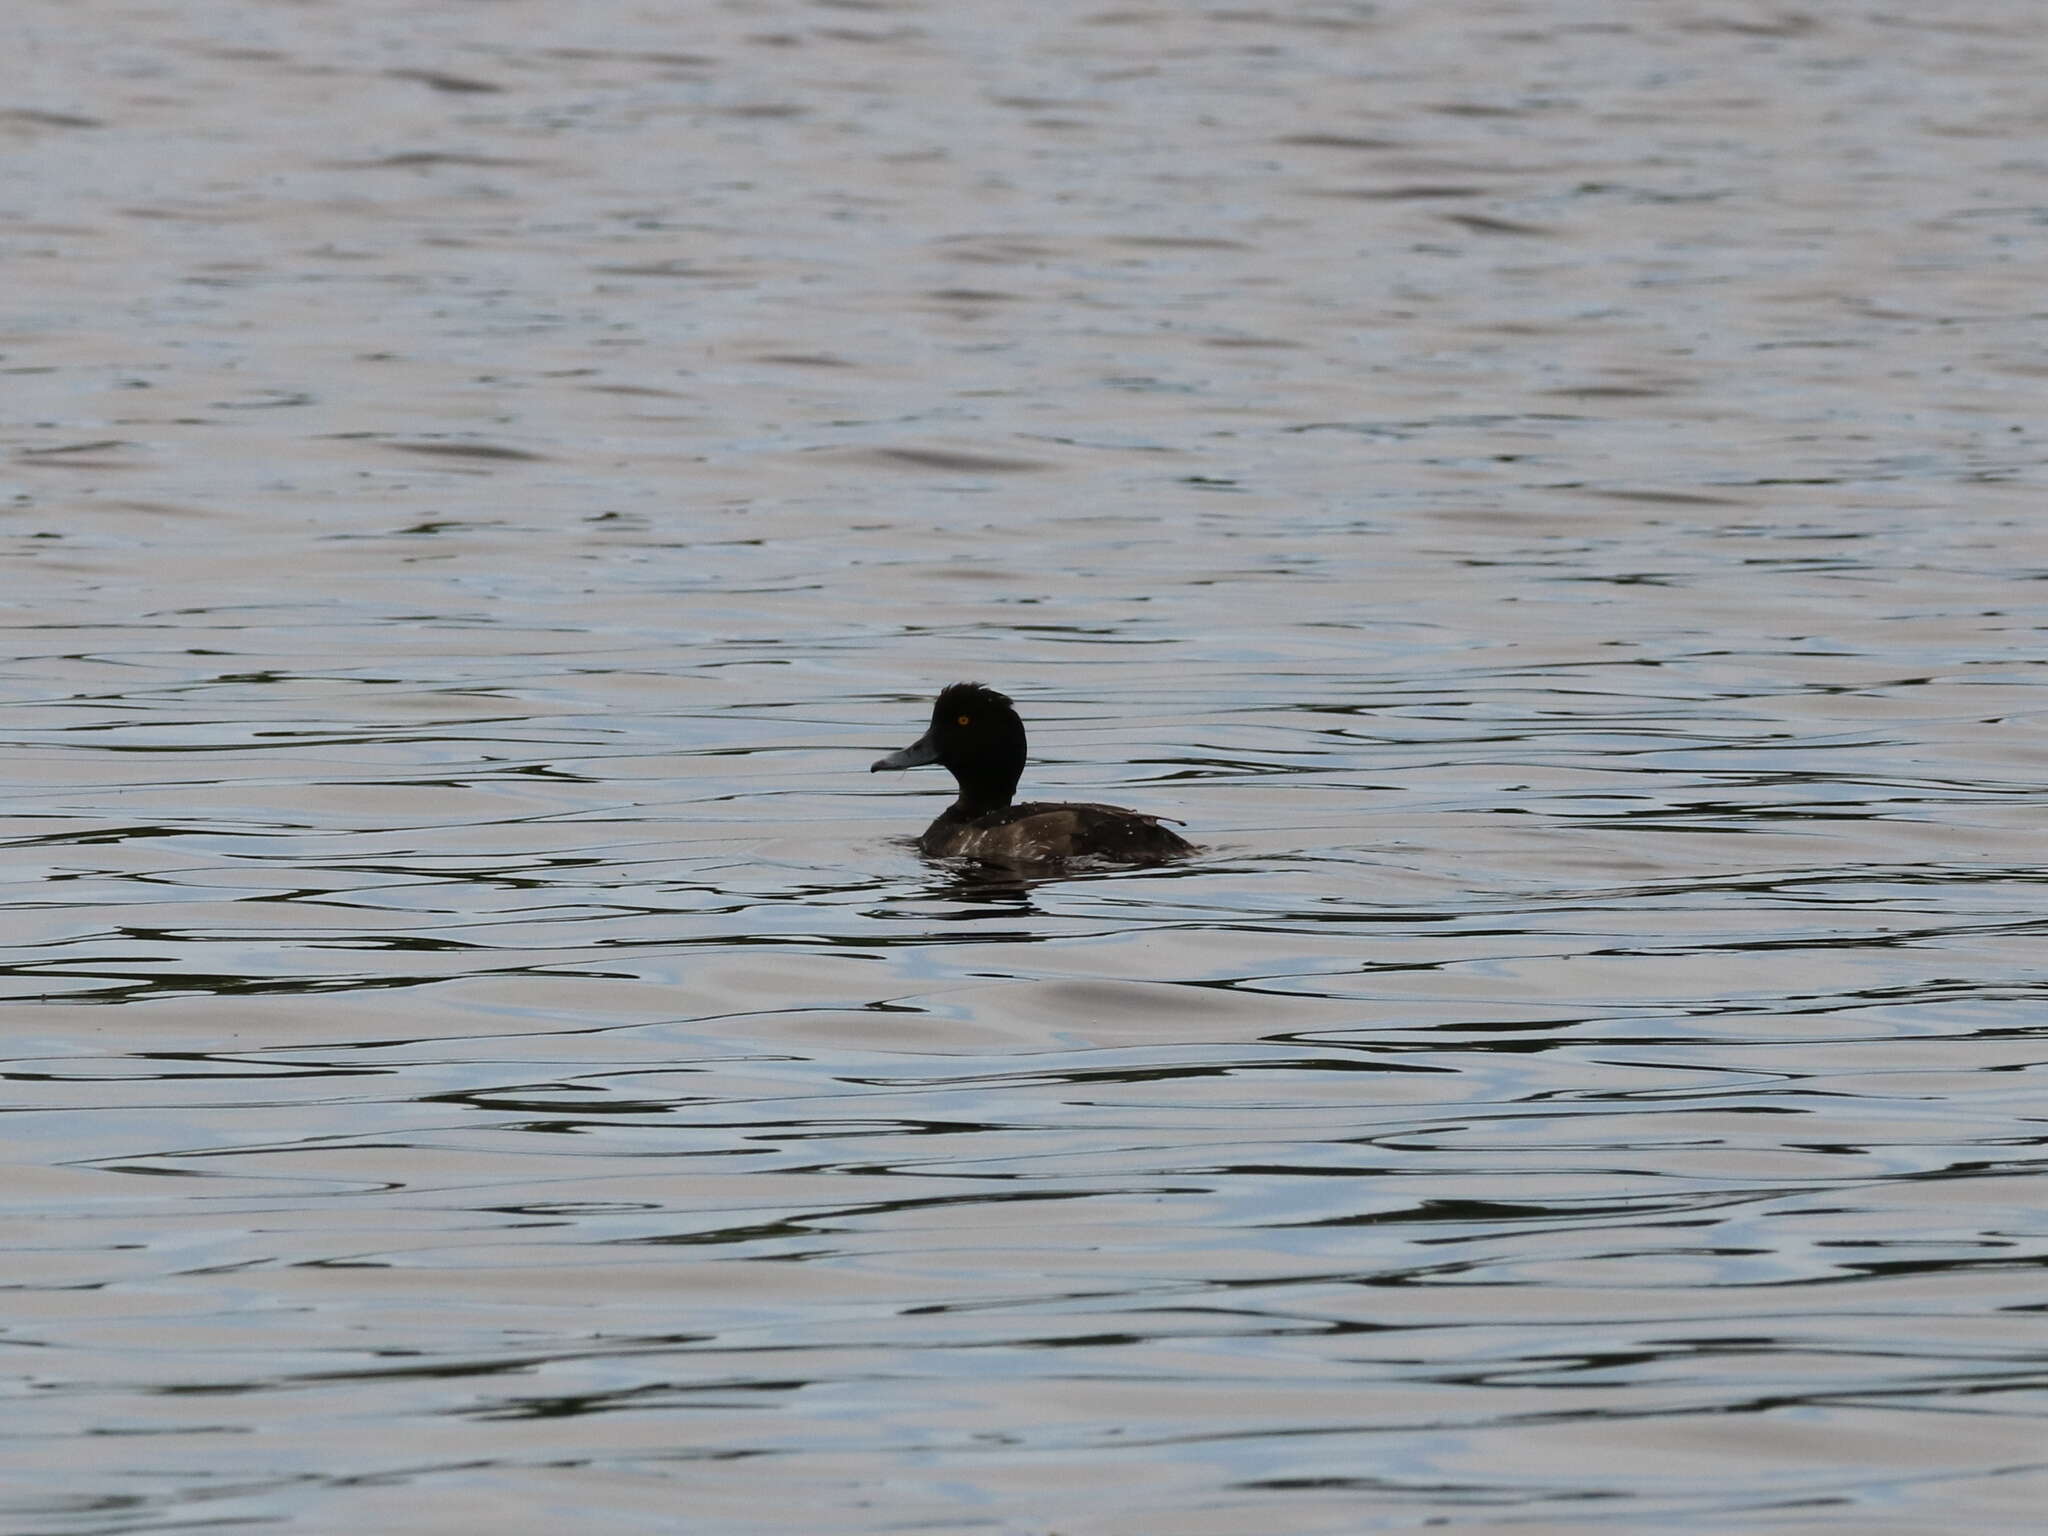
(1550, 492)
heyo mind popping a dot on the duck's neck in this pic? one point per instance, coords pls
(984, 793)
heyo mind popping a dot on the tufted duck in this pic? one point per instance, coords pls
(976, 736)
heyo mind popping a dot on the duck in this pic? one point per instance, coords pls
(978, 737)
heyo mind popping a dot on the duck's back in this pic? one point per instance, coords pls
(1038, 833)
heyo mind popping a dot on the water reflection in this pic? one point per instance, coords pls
(985, 892)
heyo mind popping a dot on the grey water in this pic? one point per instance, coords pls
(1550, 492)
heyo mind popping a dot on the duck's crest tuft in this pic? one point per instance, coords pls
(970, 696)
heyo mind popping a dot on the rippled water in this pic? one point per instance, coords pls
(1550, 492)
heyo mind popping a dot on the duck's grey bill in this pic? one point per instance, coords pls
(920, 753)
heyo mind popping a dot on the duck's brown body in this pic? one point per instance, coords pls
(975, 734)
(1043, 834)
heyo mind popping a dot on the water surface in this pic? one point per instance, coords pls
(1549, 492)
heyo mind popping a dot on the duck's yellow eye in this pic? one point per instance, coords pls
(965, 720)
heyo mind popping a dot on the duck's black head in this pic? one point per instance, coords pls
(976, 736)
